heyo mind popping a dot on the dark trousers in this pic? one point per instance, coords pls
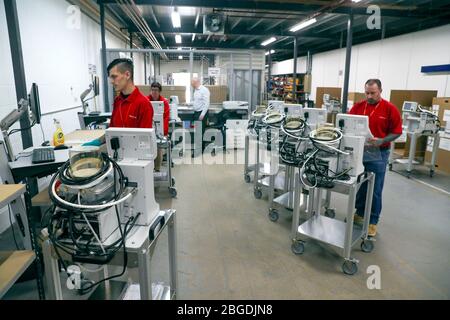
(204, 123)
(375, 161)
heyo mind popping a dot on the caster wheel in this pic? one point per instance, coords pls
(431, 174)
(330, 213)
(247, 178)
(297, 247)
(273, 215)
(180, 154)
(349, 267)
(213, 153)
(390, 167)
(173, 182)
(258, 194)
(173, 192)
(408, 175)
(367, 246)
(173, 165)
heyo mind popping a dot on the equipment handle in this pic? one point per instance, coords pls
(156, 226)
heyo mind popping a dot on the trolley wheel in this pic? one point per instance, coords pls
(173, 182)
(330, 213)
(181, 153)
(390, 166)
(408, 174)
(273, 215)
(297, 247)
(247, 178)
(367, 246)
(349, 267)
(213, 152)
(173, 192)
(257, 193)
(431, 173)
(172, 164)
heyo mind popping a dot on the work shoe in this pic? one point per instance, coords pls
(372, 232)
(358, 220)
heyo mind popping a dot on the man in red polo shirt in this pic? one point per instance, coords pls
(131, 108)
(385, 123)
(155, 95)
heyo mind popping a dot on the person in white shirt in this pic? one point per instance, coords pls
(200, 103)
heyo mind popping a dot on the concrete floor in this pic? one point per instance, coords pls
(228, 248)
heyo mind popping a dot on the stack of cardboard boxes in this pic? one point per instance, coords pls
(441, 106)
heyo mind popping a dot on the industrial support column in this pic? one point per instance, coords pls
(145, 68)
(294, 73)
(269, 73)
(15, 43)
(103, 54)
(348, 54)
(131, 44)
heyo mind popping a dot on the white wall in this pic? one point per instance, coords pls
(56, 57)
(395, 61)
(287, 66)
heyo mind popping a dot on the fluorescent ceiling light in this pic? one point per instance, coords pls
(193, 37)
(178, 38)
(266, 65)
(268, 41)
(303, 24)
(179, 48)
(180, 57)
(176, 20)
(271, 52)
(356, 1)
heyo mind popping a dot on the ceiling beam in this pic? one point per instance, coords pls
(255, 24)
(165, 26)
(235, 23)
(153, 16)
(297, 6)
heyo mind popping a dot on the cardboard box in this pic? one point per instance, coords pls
(442, 156)
(356, 96)
(442, 106)
(167, 91)
(320, 91)
(218, 94)
(424, 98)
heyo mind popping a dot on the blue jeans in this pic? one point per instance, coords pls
(375, 160)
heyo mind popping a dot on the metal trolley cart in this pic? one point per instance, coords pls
(248, 168)
(164, 178)
(410, 162)
(417, 122)
(285, 182)
(140, 246)
(339, 234)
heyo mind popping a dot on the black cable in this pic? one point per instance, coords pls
(23, 156)
(22, 129)
(12, 228)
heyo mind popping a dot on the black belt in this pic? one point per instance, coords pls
(385, 148)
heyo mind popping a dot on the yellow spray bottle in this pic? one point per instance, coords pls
(58, 136)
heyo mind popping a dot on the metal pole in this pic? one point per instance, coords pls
(269, 72)
(191, 67)
(103, 51)
(251, 82)
(294, 73)
(145, 68)
(15, 43)
(232, 77)
(131, 43)
(348, 54)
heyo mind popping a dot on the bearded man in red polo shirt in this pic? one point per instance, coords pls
(385, 123)
(131, 108)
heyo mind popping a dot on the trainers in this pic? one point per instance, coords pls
(372, 232)
(358, 220)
